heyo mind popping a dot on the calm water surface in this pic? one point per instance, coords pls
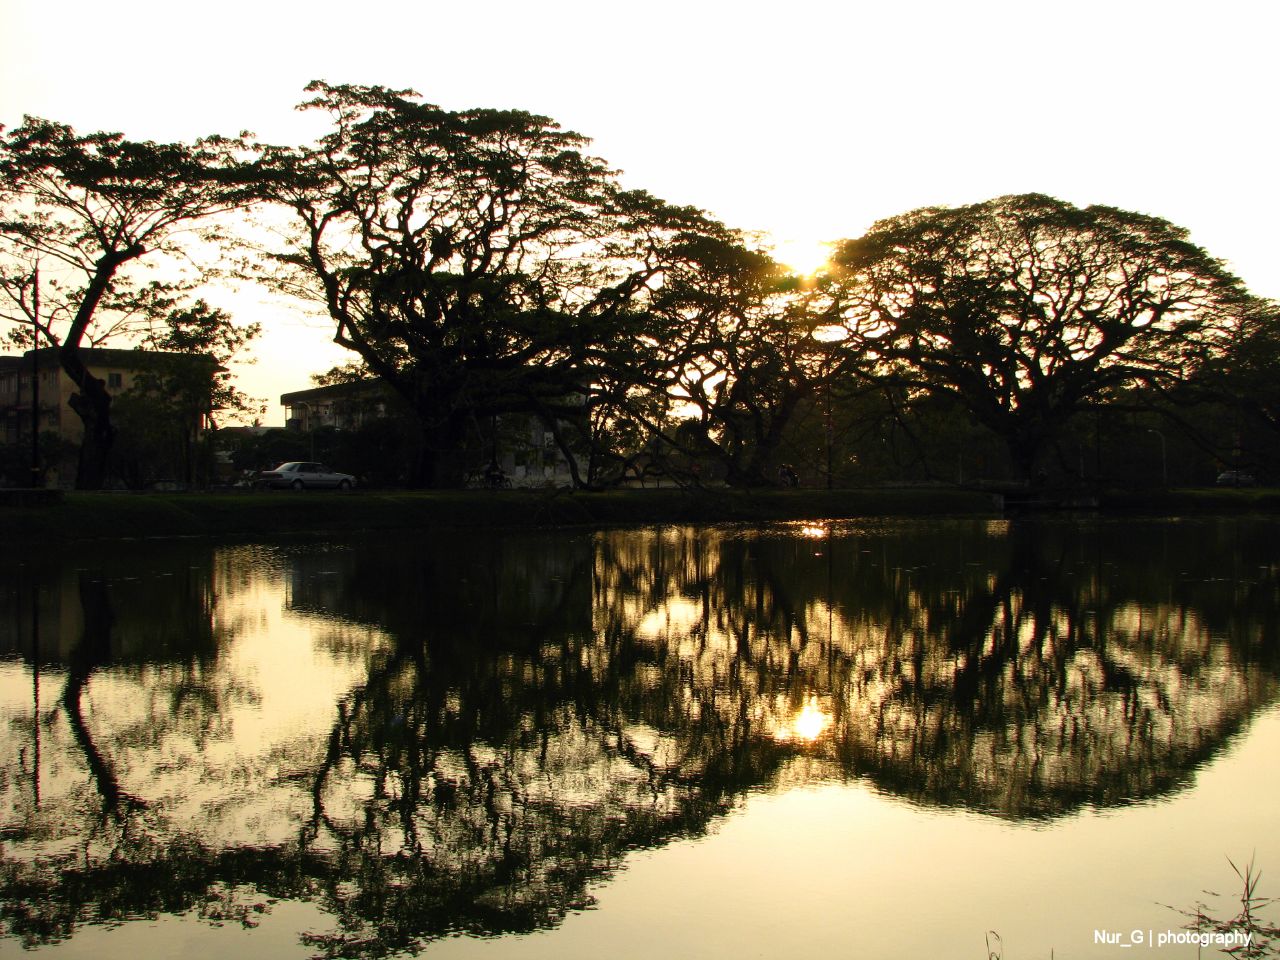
(874, 739)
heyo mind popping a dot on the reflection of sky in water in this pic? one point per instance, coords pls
(219, 748)
(702, 672)
(839, 869)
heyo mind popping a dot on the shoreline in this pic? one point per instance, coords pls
(97, 516)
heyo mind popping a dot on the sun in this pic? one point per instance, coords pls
(804, 257)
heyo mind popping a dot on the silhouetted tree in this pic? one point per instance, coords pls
(1232, 405)
(184, 385)
(735, 359)
(1025, 308)
(84, 208)
(477, 261)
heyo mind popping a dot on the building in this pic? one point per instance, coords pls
(343, 406)
(120, 370)
(525, 451)
(15, 398)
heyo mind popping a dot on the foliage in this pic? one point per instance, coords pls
(15, 459)
(1026, 308)
(1234, 400)
(737, 357)
(343, 373)
(483, 266)
(210, 335)
(180, 391)
(708, 382)
(477, 261)
(1263, 935)
(80, 212)
(1249, 372)
(252, 452)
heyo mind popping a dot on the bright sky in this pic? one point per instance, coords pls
(805, 120)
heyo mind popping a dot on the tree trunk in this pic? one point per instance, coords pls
(1025, 453)
(93, 405)
(94, 650)
(438, 465)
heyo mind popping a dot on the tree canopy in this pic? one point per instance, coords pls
(736, 356)
(80, 208)
(481, 263)
(1025, 308)
(478, 261)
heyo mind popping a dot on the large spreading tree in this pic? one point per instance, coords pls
(1026, 309)
(478, 261)
(738, 358)
(78, 212)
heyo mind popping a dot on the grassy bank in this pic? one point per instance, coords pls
(112, 515)
(239, 515)
(1179, 503)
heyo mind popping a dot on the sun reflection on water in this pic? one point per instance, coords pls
(810, 723)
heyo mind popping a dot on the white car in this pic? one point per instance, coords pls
(302, 475)
(1236, 478)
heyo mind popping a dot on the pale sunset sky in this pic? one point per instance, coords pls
(805, 121)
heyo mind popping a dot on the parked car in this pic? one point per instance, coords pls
(301, 475)
(1236, 478)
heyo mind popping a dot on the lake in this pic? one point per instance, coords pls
(879, 739)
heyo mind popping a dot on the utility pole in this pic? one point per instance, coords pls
(828, 427)
(35, 377)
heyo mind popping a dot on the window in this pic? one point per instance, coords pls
(115, 380)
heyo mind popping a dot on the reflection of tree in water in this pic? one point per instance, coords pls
(149, 626)
(484, 773)
(474, 781)
(142, 623)
(547, 703)
(451, 828)
(1022, 669)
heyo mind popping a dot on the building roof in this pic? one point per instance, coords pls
(109, 357)
(335, 391)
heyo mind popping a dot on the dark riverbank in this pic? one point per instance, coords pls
(111, 515)
(114, 515)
